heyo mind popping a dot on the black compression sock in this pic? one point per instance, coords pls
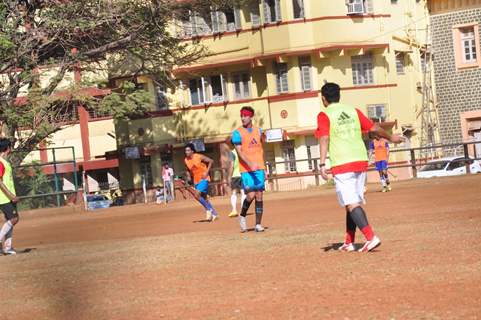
(245, 207)
(359, 217)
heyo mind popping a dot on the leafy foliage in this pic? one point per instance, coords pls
(44, 42)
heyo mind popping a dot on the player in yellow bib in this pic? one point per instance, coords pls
(340, 130)
(8, 198)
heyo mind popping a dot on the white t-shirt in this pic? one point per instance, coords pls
(167, 174)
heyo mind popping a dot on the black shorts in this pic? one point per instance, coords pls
(9, 210)
(236, 183)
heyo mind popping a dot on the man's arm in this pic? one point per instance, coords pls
(324, 144)
(230, 169)
(209, 163)
(395, 138)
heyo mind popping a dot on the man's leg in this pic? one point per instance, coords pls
(348, 244)
(245, 207)
(233, 202)
(6, 232)
(386, 178)
(259, 211)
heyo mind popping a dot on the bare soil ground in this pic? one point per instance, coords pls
(163, 262)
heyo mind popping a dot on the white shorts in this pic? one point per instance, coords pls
(350, 187)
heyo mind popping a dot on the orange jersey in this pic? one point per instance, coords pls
(196, 167)
(251, 148)
(380, 150)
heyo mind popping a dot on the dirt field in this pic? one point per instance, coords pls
(163, 262)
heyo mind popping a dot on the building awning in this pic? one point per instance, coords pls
(346, 48)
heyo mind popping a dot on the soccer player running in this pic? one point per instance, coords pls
(340, 130)
(8, 198)
(198, 167)
(235, 182)
(247, 140)
(380, 148)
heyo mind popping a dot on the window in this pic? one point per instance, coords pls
(466, 46)
(457, 163)
(289, 155)
(241, 85)
(207, 89)
(400, 61)
(281, 77)
(377, 112)
(355, 7)
(201, 24)
(146, 171)
(272, 11)
(313, 151)
(362, 70)
(306, 78)
(226, 20)
(162, 102)
(298, 6)
(255, 14)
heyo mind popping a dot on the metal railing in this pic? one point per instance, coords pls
(414, 160)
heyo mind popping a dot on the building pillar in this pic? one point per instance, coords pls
(84, 131)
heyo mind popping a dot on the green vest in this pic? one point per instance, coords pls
(7, 181)
(345, 136)
(235, 164)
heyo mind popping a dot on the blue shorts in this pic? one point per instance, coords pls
(202, 186)
(253, 181)
(381, 165)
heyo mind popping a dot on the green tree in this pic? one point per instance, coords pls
(43, 41)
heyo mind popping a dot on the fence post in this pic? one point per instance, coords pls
(55, 177)
(466, 158)
(413, 164)
(316, 172)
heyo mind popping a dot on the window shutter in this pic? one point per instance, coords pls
(267, 11)
(237, 18)
(255, 15)
(278, 10)
(369, 6)
(187, 28)
(222, 19)
(237, 86)
(306, 77)
(214, 15)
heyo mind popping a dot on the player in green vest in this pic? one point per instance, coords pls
(8, 198)
(235, 182)
(340, 128)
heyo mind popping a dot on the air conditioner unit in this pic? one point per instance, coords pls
(355, 7)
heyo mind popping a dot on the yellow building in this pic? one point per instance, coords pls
(275, 55)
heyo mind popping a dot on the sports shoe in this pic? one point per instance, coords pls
(214, 217)
(371, 245)
(10, 251)
(208, 215)
(243, 224)
(347, 247)
(233, 214)
(384, 189)
(259, 228)
(389, 188)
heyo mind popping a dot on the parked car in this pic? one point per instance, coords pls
(450, 166)
(98, 201)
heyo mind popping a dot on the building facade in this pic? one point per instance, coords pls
(457, 67)
(275, 55)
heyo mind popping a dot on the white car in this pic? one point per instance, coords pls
(450, 166)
